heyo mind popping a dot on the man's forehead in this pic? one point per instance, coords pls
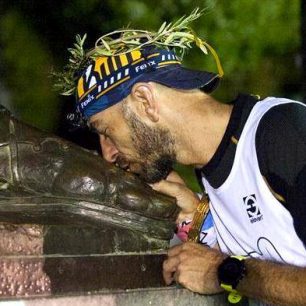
(96, 121)
(101, 119)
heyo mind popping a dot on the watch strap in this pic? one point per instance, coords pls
(234, 296)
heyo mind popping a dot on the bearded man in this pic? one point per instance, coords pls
(150, 112)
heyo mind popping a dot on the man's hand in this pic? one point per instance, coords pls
(194, 266)
(186, 199)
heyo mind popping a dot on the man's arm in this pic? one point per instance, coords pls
(195, 267)
(274, 283)
(186, 199)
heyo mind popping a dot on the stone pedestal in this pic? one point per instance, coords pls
(75, 265)
(170, 296)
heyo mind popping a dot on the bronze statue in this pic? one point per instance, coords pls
(78, 206)
(36, 167)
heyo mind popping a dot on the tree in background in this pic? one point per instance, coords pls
(258, 43)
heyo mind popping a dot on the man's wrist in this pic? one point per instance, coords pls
(230, 272)
(199, 217)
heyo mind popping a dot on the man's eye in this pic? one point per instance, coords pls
(105, 134)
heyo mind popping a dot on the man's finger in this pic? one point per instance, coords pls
(174, 251)
(168, 188)
(175, 178)
(169, 267)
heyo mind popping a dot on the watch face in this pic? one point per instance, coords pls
(231, 271)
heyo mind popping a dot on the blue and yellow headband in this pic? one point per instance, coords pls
(109, 79)
(105, 74)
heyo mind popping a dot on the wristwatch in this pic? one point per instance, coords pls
(230, 272)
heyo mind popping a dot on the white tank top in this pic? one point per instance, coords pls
(248, 219)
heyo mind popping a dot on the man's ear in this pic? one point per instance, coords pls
(145, 101)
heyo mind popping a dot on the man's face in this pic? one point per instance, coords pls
(133, 145)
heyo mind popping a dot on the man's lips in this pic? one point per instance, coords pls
(128, 165)
(122, 163)
(124, 166)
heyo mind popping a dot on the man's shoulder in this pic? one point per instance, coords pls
(286, 118)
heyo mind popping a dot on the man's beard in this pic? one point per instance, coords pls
(155, 148)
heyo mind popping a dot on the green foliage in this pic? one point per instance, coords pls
(65, 81)
(171, 35)
(188, 175)
(258, 43)
(27, 64)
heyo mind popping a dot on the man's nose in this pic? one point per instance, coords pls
(109, 150)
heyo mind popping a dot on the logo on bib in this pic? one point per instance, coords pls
(252, 208)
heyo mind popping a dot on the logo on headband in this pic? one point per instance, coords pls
(97, 86)
(145, 66)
